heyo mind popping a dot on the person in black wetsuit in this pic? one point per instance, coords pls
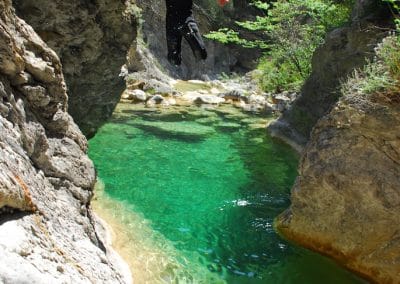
(180, 23)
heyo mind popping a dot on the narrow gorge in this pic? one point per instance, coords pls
(118, 167)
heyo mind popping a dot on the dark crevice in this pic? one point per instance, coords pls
(11, 214)
(96, 240)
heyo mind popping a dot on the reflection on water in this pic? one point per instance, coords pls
(201, 210)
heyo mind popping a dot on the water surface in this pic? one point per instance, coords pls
(204, 187)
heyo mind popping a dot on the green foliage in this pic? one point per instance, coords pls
(293, 29)
(132, 10)
(382, 75)
(396, 10)
(277, 76)
(389, 54)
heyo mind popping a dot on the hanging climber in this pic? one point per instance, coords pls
(180, 23)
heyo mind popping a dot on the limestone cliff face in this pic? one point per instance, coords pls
(46, 230)
(344, 50)
(346, 201)
(91, 39)
(210, 17)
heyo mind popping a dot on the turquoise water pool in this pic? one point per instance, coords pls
(210, 183)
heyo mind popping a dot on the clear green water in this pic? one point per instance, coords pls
(210, 185)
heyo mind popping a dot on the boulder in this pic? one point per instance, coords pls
(256, 99)
(346, 200)
(158, 86)
(209, 99)
(134, 95)
(235, 96)
(160, 101)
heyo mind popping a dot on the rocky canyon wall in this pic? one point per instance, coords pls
(346, 200)
(344, 50)
(91, 39)
(47, 232)
(221, 58)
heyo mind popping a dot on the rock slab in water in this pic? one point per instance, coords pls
(209, 99)
(46, 229)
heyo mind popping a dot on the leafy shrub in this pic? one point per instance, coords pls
(395, 7)
(382, 75)
(293, 30)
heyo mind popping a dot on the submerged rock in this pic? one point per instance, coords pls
(263, 108)
(208, 120)
(174, 130)
(228, 126)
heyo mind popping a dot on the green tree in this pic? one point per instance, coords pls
(293, 29)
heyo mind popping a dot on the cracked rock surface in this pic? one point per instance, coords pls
(346, 200)
(47, 232)
(92, 39)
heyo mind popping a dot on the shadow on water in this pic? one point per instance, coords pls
(137, 112)
(168, 117)
(169, 135)
(271, 169)
(271, 163)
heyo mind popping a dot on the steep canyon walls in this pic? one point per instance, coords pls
(210, 17)
(47, 232)
(91, 39)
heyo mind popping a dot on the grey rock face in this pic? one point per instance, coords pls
(344, 50)
(46, 231)
(221, 58)
(92, 39)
